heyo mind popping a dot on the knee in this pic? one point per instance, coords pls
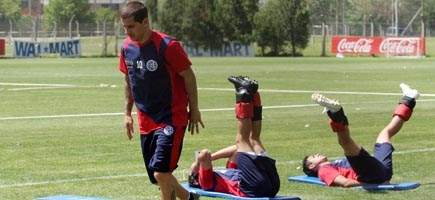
(204, 154)
(162, 177)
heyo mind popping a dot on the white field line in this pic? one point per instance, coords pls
(45, 86)
(120, 113)
(204, 110)
(319, 91)
(71, 180)
(35, 86)
(61, 116)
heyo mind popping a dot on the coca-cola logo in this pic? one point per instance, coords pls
(362, 45)
(378, 45)
(398, 46)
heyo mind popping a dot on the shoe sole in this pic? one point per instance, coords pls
(244, 82)
(331, 104)
(409, 92)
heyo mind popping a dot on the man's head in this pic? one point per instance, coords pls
(310, 164)
(134, 18)
(193, 181)
(135, 9)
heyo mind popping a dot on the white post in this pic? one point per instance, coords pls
(69, 26)
(396, 21)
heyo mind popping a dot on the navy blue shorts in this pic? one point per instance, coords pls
(374, 169)
(258, 175)
(161, 149)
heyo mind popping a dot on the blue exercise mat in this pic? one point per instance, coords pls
(398, 186)
(230, 196)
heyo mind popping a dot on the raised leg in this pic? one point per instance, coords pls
(401, 114)
(339, 123)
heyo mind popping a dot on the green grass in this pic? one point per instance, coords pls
(49, 146)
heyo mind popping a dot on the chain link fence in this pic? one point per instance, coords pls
(369, 29)
(104, 38)
(97, 39)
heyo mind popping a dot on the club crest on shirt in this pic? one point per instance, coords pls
(152, 65)
(168, 130)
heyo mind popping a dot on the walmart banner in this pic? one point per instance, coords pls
(230, 49)
(65, 48)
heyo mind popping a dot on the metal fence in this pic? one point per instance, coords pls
(104, 38)
(98, 39)
(34, 28)
(370, 29)
(75, 29)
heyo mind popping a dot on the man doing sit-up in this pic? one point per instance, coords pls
(359, 167)
(250, 171)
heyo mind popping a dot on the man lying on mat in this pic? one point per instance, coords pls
(359, 167)
(253, 173)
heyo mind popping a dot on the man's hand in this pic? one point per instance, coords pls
(194, 119)
(128, 121)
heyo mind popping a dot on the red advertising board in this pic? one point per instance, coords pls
(2, 47)
(378, 45)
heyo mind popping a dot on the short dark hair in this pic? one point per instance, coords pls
(135, 9)
(306, 168)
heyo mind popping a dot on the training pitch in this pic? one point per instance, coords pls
(62, 133)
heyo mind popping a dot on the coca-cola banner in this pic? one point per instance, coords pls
(378, 45)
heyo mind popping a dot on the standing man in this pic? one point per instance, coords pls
(161, 84)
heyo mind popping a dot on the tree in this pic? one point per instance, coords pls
(282, 22)
(236, 19)
(9, 10)
(62, 11)
(103, 13)
(171, 17)
(153, 6)
(429, 14)
(323, 11)
(296, 23)
(105, 17)
(268, 29)
(362, 13)
(199, 24)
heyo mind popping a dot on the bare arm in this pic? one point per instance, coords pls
(128, 120)
(192, 93)
(346, 182)
(226, 152)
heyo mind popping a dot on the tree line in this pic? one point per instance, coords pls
(277, 27)
(273, 25)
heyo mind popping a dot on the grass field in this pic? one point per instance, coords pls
(61, 123)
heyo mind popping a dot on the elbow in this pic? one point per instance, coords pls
(350, 183)
(346, 185)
